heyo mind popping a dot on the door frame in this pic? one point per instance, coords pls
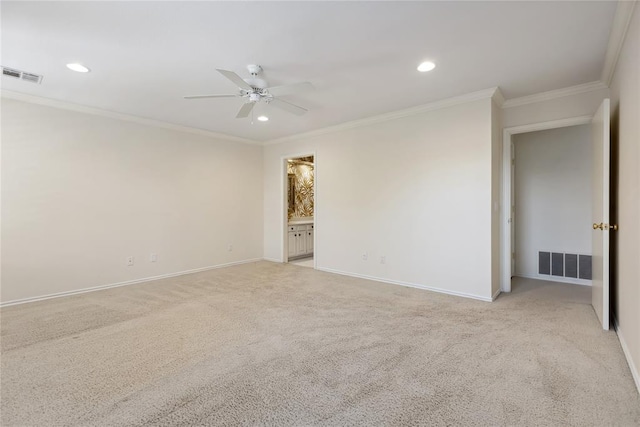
(507, 180)
(284, 206)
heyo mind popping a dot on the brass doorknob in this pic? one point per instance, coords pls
(604, 227)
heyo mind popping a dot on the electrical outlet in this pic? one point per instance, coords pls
(230, 248)
(365, 256)
(130, 261)
(383, 259)
(153, 258)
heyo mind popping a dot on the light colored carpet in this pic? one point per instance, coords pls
(274, 344)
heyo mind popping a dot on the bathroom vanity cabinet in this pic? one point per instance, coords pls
(300, 240)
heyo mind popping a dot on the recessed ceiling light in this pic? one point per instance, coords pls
(426, 66)
(263, 118)
(78, 67)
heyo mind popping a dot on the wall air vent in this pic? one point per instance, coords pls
(576, 266)
(22, 75)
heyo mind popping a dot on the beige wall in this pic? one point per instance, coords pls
(416, 190)
(625, 107)
(80, 193)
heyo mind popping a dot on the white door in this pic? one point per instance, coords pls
(600, 214)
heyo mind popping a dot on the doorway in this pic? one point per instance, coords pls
(552, 192)
(299, 210)
(599, 125)
(532, 246)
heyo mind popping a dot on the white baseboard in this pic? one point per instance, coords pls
(410, 285)
(126, 283)
(627, 354)
(549, 278)
(273, 260)
(495, 295)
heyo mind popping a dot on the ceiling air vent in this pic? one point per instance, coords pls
(11, 73)
(22, 75)
(31, 77)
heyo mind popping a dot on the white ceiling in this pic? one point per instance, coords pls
(361, 56)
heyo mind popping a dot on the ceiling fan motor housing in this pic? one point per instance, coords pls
(256, 83)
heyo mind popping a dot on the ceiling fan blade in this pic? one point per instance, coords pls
(236, 79)
(245, 110)
(289, 89)
(209, 96)
(287, 106)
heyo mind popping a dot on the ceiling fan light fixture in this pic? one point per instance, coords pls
(74, 66)
(263, 118)
(426, 66)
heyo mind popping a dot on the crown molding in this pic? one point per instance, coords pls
(621, 21)
(48, 102)
(498, 97)
(553, 94)
(436, 105)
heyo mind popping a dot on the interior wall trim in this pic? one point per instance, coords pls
(48, 102)
(408, 284)
(125, 283)
(436, 105)
(627, 354)
(554, 94)
(621, 21)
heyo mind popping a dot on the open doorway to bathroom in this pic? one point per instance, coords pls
(300, 202)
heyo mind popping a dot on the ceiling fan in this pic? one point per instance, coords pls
(255, 89)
